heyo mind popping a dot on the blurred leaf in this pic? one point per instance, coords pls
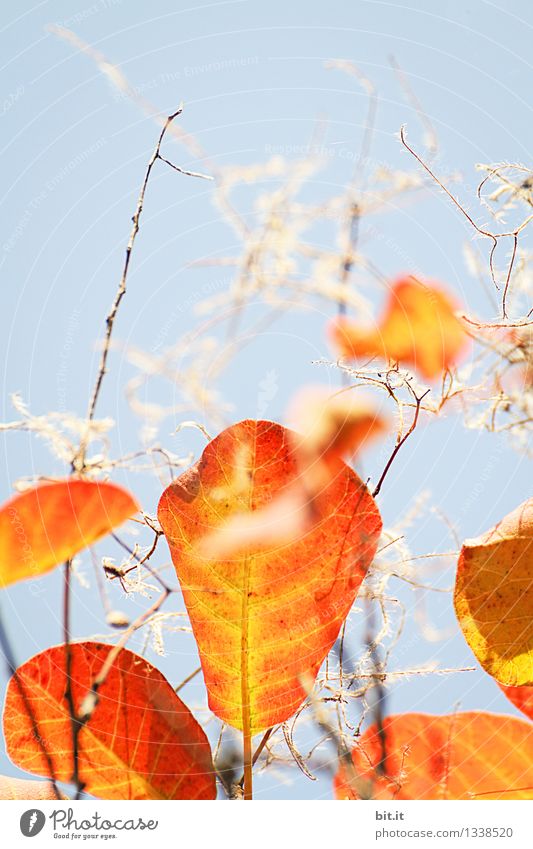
(418, 328)
(461, 756)
(334, 423)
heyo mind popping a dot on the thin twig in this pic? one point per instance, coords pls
(399, 444)
(121, 291)
(490, 325)
(261, 746)
(298, 758)
(185, 171)
(116, 77)
(432, 142)
(379, 696)
(143, 561)
(69, 696)
(90, 701)
(361, 786)
(12, 672)
(188, 679)
(494, 237)
(354, 209)
(508, 277)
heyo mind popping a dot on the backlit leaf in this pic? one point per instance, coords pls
(494, 597)
(472, 755)
(270, 614)
(329, 426)
(141, 741)
(418, 328)
(51, 522)
(521, 697)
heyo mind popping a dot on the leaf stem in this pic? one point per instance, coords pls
(247, 759)
(261, 746)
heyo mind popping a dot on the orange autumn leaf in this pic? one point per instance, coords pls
(266, 617)
(140, 742)
(494, 597)
(21, 788)
(330, 425)
(473, 755)
(51, 522)
(521, 697)
(418, 328)
(334, 423)
(284, 520)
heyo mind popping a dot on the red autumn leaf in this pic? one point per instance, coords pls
(51, 522)
(418, 328)
(494, 597)
(521, 697)
(20, 788)
(140, 742)
(266, 617)
(472, 755)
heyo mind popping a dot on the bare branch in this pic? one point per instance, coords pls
(399, 444)
(11, 666)
(121, 291)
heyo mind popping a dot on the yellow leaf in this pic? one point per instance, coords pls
(494, 597)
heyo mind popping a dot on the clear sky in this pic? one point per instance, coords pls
(253, 80)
